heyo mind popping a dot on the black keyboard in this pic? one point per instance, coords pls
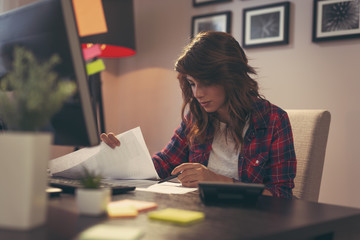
(69, 185)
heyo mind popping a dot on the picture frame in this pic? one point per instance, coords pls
(266, 25)
(220, 21)
(198, 3)
(326, 22)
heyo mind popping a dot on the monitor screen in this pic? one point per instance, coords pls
(49, 27)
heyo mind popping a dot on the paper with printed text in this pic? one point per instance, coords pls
(131, 160)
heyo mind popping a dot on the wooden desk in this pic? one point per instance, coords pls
(271, 218)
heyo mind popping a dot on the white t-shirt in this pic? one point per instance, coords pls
(223, 156)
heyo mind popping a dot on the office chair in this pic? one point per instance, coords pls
(310, 131)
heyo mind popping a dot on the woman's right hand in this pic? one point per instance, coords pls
(110, 139)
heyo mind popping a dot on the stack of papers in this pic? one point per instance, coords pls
(131, 160)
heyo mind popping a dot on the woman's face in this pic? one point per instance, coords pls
(210, 97)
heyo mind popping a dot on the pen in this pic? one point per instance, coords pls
(169, 178)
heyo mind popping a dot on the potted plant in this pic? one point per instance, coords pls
(30, 94)
(92, 199)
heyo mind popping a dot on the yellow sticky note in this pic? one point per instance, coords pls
(95, 66)
(140, 206)
(122, 211)
(90, 17)
(177, 216)
(111, 232)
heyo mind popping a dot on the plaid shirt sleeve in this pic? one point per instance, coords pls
(175, 153)
(269, 155)
(280, 172)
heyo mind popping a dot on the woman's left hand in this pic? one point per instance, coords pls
(193, 173)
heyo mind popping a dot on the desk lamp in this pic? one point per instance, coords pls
(118, 41)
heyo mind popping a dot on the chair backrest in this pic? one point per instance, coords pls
(310, 131)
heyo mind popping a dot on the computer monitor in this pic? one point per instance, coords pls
(48, 27)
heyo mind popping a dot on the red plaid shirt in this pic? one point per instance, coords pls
(267, 155)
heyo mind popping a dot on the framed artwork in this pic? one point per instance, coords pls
(266, 25)
(336, 19)
(220, 22)
(197, 3)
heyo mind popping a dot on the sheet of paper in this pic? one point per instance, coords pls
(138, 183)
(131, 160)
(167, 188)
(174, 187)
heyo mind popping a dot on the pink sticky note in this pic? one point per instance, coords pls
(90, 17)
(92, 51)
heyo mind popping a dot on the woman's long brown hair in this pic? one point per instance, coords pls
(216, 58)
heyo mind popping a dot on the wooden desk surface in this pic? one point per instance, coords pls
(270, 218)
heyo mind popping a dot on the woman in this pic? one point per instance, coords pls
(228, 131)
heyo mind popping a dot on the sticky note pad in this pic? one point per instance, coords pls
(177, 216)
(91, 52)
(140, 206)
(111, 232)
(89, 17)
(122, 211)
(95, 67)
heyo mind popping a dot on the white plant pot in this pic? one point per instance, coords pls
(24, 159)
(92, 201)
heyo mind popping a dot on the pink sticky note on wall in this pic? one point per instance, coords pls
(92, 51)
(90, 17)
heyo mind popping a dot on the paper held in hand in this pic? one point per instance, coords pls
(131, 160)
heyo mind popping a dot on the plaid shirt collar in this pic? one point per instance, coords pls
(260, 111)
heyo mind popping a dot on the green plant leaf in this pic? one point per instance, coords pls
(90, 179)
(36, 92)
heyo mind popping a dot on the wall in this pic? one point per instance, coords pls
(301, 75)
(142, 90)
